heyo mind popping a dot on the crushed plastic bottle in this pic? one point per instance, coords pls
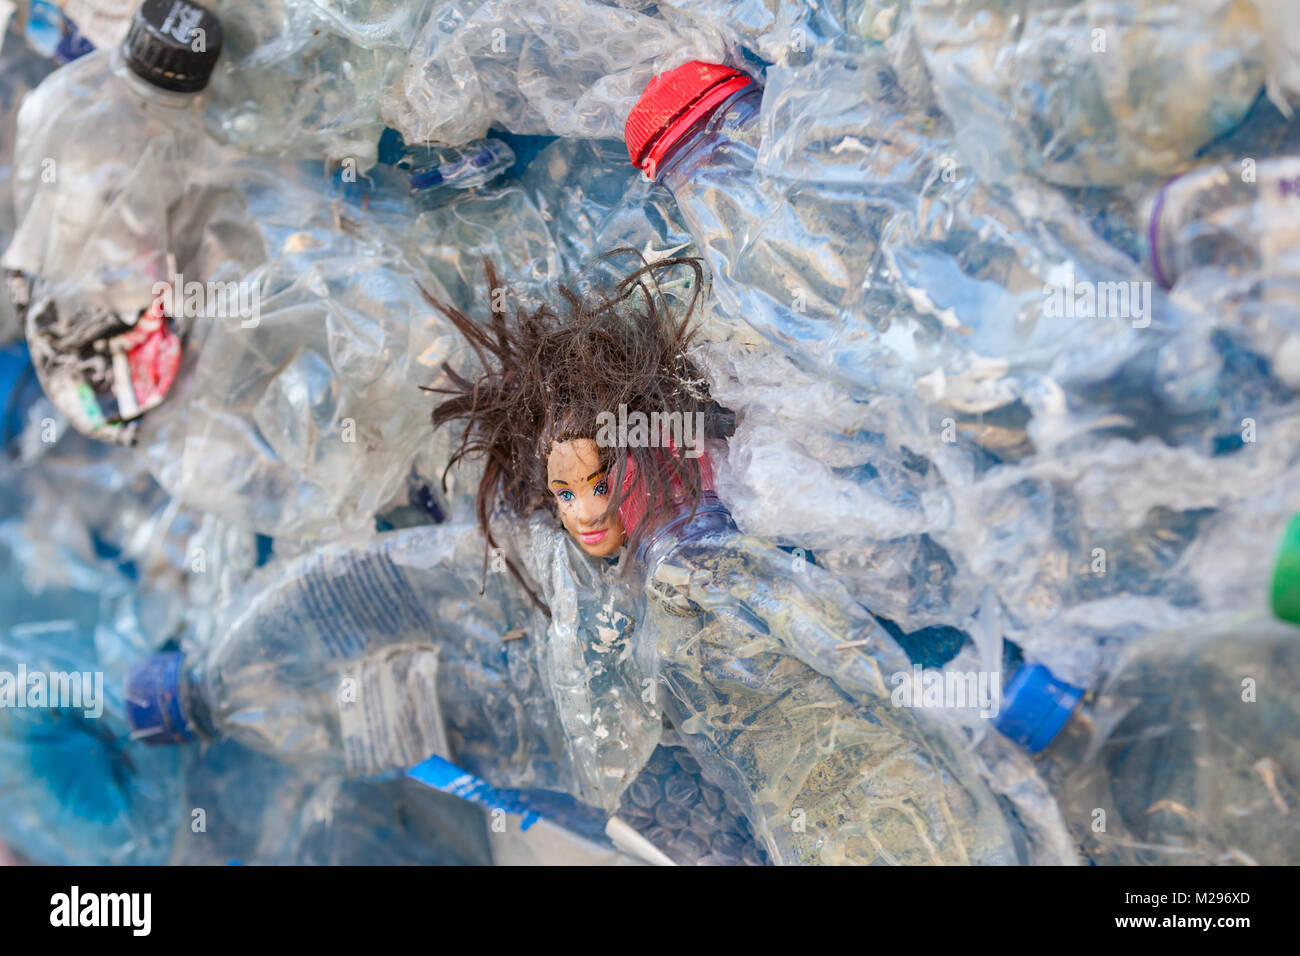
(1087, 93)
(882, 263)
(304, 79)
(576, 200)
(297, 412)
(416, 622)
(437, 172)
(980, 470)
(963, 407)
(564, 67)
(101, 232)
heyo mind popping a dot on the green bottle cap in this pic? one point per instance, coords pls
(1286, 574)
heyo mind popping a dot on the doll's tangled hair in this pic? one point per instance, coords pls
(547, 375)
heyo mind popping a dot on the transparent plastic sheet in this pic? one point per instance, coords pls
(300, 415)
(304, 78)
(571, 68)
(1193, 759)
(1088, 92)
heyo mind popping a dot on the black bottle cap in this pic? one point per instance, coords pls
(173, 44)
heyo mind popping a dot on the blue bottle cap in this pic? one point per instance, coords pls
(153, 700)
(1035, 706)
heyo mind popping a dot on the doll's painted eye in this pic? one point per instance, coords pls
(564, 494)
(601, 487)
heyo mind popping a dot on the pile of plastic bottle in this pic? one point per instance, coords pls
(1003, 306)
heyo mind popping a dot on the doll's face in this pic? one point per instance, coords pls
(581, 488)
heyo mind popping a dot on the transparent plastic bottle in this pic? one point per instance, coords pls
(347, 659)
(778, 682)
(695, 131)
(1088, 93)
(864, 251)
(329, 664)
(1241, 217)
(1186, 752)
(328, 661)
(106, 213)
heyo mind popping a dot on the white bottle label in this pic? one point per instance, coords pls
(389, 715)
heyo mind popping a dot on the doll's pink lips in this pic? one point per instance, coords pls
(594, 537)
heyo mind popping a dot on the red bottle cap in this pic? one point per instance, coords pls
(671, 104)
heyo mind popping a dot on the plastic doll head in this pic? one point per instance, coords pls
(581, 484)
(553, 381)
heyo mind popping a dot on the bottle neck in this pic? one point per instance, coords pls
(146, 91)
(708, 516)
(733, 113)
